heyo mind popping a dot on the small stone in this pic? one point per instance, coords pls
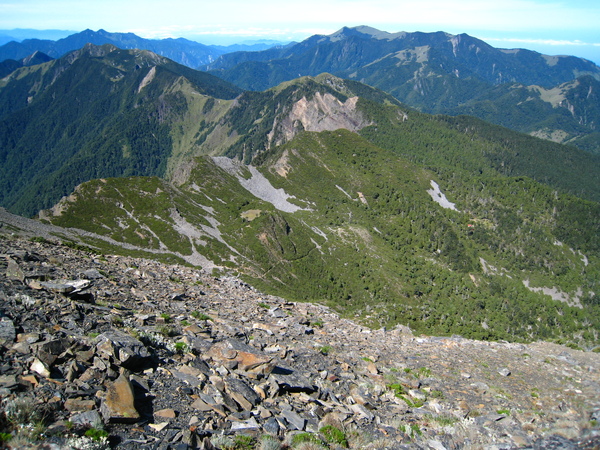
(504, 372)
(158, 426)
(40, 368)
(167, 413)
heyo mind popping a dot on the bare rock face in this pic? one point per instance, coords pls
(321, 113)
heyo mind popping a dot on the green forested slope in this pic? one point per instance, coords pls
(89, 115)
(370, 240)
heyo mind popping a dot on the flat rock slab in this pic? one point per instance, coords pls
(295, 421)
(248, 358)
(243, 394)
(290, 380)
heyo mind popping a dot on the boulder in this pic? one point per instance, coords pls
(118, 404)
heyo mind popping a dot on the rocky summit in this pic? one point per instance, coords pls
(101, 351)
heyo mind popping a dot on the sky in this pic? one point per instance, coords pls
(554, 27)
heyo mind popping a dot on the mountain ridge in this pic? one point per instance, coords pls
(435, 73)
(184, 51)
(180, 50)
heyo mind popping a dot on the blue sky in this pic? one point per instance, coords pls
(551, 27)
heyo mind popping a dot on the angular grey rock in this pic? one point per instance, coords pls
(123, 348)
(245, 425)
(290, 380)
(482, 387)
(7, 331)
(271, 426)
(362, 411)
(50, 350)
(13, 271)
(187, 378)
(87, 419)
(243, 394)
(504, 372)
(8, 381)
(59, 288)
(295, 421)
(92, 274)
(278, 313)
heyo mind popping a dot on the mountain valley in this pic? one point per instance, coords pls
(364, 224)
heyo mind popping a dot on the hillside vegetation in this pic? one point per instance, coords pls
(94, 113)
(446, 224)
(369, 240)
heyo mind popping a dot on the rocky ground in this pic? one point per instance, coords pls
(110, 351)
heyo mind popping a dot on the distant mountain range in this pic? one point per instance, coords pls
(554, 97)
(183, 51)
(10, 65)
(19, 34)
